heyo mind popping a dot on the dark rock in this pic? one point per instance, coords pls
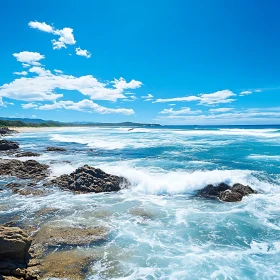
(89, 179)
(211, 191)
(6, 145)
(27, 154)
(6, 131)
(243, 190)
(55, 149)
(230, 196)
(29, 169)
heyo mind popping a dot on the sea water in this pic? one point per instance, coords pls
(159, 229)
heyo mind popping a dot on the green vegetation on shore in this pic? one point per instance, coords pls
(42, 123)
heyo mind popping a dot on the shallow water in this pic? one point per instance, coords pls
(158, 228)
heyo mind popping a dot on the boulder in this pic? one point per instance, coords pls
(211, 191)
(230, 196)
(6, 145)
(243, 190)
(6, 131)
(89, 179)
(55, 149)
(27, 154)
(29, 169)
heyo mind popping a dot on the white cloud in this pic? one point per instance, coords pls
(182, 111)
(171, 104)
(246, 92)
(33, 116)
(85, 105)
(29, 105)
(220, 110)
(84, 53)
(58, 71)
(148, 97)
(43, 85)
(42, 26)
(217, 97)
(29, 58)
(22, 73)
(66, 36)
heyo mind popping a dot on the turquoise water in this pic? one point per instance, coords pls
(158, 228)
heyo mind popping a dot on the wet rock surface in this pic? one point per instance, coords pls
(226, 193)
(6, 131)
(89, 179)
(14, 254)
(27, 154)
(55, 149)
(6, 145)
(29, 169)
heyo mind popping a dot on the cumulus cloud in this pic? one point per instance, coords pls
(84, 53)
(245, 92)
(43, 84)
(29, 58)
(182, 111)
(220, 110)
(66, 36)
(217, 97)
(22, 73)
(85, 105)
(29, 105)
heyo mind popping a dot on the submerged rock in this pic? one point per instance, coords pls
(29, 169)
(72, 264)
(6, 145)
(55, 149)
(89, 179)
(226, 193)
(51, 235)
(27, 154)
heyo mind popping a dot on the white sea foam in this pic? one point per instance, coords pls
(264, 157)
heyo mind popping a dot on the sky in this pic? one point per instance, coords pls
(168, 62)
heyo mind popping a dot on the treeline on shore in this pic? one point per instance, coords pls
(8, 123)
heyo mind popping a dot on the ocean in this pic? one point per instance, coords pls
(159, 228)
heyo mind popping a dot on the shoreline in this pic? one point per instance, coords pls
(32, 129)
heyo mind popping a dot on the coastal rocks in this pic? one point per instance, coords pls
(226, 193)
(29, 169)
(14, 255)
(89, 179)
(6, 145)
(55, 149)
(72, 264)
(6, 131)
(27, 154)
(51, 235)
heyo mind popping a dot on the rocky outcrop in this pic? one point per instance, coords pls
(6, 131)
(226, 193)
(89, 179)
(6, 145)
(14, 253)
(27, 154)
(55, 149)
(55, 235)
(29, 169)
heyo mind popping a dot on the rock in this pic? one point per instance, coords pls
(6, 131)
(211, 191)
(27, 154)
(6, 145)
(55, 149)
(29, 169)
(230, 196)
(51, 235)
(14, 246)
(89, 179)
(30, 191)
(243, 190)
(72, 264)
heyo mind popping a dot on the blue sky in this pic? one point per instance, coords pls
(169, 62)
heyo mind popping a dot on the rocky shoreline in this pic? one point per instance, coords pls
(24, 254)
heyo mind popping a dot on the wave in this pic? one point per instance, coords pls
(264, 157)
(180, 182)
